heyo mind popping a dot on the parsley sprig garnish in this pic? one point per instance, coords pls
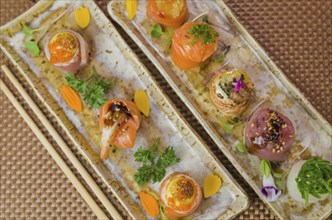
(92, 89)
(315, 178)
(204, 31)
(154, 167)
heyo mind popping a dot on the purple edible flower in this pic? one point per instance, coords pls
(269, 189)
(238, 84)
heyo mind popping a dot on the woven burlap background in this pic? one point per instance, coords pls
(297, 36)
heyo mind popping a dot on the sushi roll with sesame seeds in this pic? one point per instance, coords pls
(269, 134)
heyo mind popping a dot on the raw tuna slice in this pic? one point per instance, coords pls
(269, 134)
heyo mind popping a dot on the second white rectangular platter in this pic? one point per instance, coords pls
(269, 81)
(113, 59)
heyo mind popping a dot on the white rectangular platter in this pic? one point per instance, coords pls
(113, 59)
(270, 84)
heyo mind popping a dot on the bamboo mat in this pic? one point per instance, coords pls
(297, 36)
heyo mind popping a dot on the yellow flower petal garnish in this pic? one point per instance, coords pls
(131, 7)
(141, 99)
(82, 17)
(212, 184)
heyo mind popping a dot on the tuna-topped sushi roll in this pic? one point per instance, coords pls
(269, 134)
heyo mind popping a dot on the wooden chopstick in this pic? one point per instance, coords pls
(64, 147)
(70, 175)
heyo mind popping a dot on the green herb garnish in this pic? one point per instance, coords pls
(27, 30)
(154, 168)
(169, 42)
(92, 89)
(205, 18)
(32, 47)
(234, 120)
(241, 147)
(162, 212)
(231, 124)
(280, 184)
(201, 89)
(315, 178)
(169, 38)
(277, 175)
(221, 59)
(225, 48)
(203, 65)
(204, 31)
(279, 179)
(266, 167)
(227, 87)
(156, 31)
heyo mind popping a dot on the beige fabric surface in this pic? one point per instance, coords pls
(297, 36)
